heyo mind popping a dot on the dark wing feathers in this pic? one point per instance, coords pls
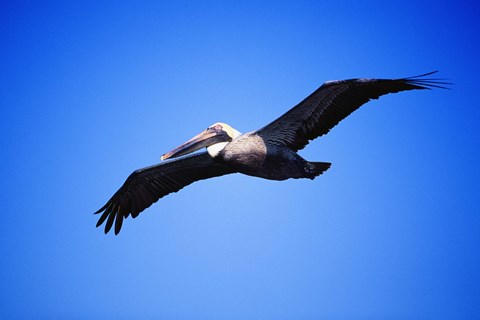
(331, 103)
(145, 186)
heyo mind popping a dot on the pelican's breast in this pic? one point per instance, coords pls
(247, 150)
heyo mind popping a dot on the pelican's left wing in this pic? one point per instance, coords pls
(330, 104)
(145, 186)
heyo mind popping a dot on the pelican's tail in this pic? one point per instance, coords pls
(314, 169)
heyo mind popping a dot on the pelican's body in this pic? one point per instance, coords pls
(269, 153)
(251, 155)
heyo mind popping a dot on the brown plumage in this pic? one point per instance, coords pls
(270, 152)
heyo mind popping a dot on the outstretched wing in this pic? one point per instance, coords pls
(145, 186)
(331, 103)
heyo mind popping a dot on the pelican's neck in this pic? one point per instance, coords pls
(236, 133)
(215, 149)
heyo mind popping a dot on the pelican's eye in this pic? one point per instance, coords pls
(218, 127)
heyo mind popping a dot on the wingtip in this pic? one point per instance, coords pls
(428, 83)
(100, 210)
(423, 75)
(118, 220)
(107, 229)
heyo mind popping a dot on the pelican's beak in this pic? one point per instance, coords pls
(204, 139)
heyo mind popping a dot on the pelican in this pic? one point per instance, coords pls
(269, 153)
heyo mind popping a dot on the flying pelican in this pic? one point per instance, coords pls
(269, 153)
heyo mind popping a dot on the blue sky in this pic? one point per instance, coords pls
(92, 91)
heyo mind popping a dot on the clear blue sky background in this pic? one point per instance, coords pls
(91, 91)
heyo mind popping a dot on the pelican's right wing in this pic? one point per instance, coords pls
(145, 186)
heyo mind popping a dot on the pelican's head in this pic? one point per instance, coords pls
(215, 138)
